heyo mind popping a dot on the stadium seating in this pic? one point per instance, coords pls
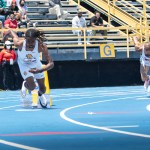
(134, 8)
(38, 11)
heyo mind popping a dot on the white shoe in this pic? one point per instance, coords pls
(43, 101)
(23, 90)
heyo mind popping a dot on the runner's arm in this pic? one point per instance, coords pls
(137, 44)
(50, 63)
(17, 42)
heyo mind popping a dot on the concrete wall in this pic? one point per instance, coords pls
(95, 73)
(70, 74)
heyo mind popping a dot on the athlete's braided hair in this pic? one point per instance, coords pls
(33, 33)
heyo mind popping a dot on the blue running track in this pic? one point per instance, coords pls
(105, 118)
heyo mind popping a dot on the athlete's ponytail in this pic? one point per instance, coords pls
(33, 33)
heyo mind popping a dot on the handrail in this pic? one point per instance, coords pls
(143, 12)
(126, 42)
(88, 28)
(132, 6)
(113, 11)
(142, 3)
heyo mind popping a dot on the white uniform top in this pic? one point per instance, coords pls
(145, 61)
(28, 60)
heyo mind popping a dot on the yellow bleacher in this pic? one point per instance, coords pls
(60, 35)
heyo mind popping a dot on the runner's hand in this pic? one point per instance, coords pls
(35, 70)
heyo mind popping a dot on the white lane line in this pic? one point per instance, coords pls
(62, 115)
(28, 110)
(96, 96)
(5, 101)
(83, 96)
(78, 93)
(129, 126)
(143, 98)
(8, 97)
(18, 145)
(97, 92)
(148, 107)
(9, 107)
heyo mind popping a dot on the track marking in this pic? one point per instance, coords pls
(50, 133)
(143, 98)
(129, 126)
(148, 107)
(98, 93)
(27, 110)
(9, 107)
(62, 115)
(98, 96)
(18, 145)
(85, 96)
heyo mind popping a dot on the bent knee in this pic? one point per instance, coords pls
(43, 89)
(144, 78)
(31, 87)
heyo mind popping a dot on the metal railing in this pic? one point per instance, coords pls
(141, 13)
(121, 40)
(111, 10)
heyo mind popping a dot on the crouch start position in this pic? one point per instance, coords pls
(29, 62)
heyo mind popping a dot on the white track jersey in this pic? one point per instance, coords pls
(145, 61)
(29, 58)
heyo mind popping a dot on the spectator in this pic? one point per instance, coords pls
(21, 24)
(13, 7)
(79, 22)
(23, 9)
(2, 11)
(97, 21)
(12, 23)
(7, 58)
(55, 8)
(8, 3)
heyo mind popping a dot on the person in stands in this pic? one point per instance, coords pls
(7, 59)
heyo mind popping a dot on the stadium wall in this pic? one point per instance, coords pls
(72, 74)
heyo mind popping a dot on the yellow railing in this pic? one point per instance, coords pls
(112, 10)
(123, 39)
(141, 13)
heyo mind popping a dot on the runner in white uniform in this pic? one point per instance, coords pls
(145, 61)
(144, 49)
(29, 61)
